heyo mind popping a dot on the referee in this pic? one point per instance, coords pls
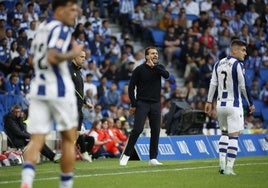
(75, 67)
(144, 93)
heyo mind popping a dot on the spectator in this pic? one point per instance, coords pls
(136, 20)
(126, 71)
(205, 72)
(112, 73)
(102, 140)
(97, 48)
(105, 31)
(32, 30)
(89, 85)
(171, 45)
(125, 101)
(264, 94)
(18, 135)
(255, 89)
(5, 56)
(165, 22)
(206, 39)
(91, 115)
(113, 49)
(14, 50)
(206, 5)
(112, 96)
(12, 85)
(188, 92)
(2, 84)
(236, 24)
(191, 7)
(21, 63)
(102, 88)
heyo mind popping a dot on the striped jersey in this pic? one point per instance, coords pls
(51, 81)
(228, 77)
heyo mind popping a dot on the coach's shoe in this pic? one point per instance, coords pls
(57, 158)
(124, 159)
(86, 157)
(154, 162)
(229, 171)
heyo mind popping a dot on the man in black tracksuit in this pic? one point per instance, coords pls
(75, 67)
(146, 78)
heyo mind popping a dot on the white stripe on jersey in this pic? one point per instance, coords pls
(51, 81)
(229, 78)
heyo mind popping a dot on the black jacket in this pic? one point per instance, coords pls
(16, 130)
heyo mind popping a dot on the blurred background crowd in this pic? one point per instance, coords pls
(191, 36)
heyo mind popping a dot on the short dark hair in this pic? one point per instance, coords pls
(237, 42)
(59, 3)
(149, 48)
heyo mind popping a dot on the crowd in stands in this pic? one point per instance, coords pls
(197, 34)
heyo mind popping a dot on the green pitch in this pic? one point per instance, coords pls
(106, 173)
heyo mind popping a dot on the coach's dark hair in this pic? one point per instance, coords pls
(237, 42)
(149, 48)
(59, 3)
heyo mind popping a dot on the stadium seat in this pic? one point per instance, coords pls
(264, 74)
(249, 73)
(96, 82)
(158, 37)
(258, 107)
(121, 84)
(87, 125)
(264, 112)
(191, 17)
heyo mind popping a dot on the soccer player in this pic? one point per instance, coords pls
(146, 78)
(229, 80)
(52, 92)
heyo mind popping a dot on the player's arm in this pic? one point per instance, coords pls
(55, 57)
(245, 90)
(211, 91)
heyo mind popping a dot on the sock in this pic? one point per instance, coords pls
(66, 180)
(27, 174)
(232, 151)
(223, 144)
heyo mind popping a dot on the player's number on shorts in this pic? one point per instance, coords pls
(224, 79)
(40, 50)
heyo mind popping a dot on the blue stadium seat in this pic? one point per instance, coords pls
(264, 74)
(158, 37)
(121, 84)
(87, 125)
(191, 17)
(249, 73)
(264, 112)
(96, 82)
(258, 108)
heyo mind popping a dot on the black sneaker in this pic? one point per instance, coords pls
(221, 171)
(266, 138)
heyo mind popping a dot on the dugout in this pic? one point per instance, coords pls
(182, 120)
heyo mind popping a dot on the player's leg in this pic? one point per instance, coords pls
(235, 125)
(38, 126)
(223, 141)
(31, 156)
(68, 157)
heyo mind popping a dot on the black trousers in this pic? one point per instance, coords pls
(153, 112)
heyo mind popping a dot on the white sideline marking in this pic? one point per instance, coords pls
(132, 172)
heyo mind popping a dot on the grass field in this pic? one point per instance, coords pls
(106, 173)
